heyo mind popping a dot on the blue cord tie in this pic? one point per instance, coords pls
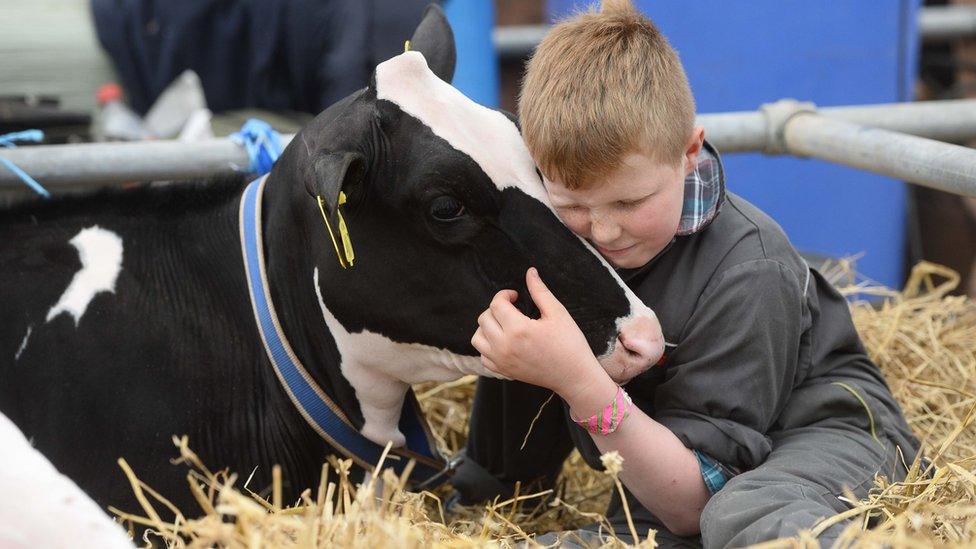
(262, 143)
(7, 140)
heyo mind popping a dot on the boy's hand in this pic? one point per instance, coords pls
(550, 352)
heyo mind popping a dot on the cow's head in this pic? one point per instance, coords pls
(444, 208)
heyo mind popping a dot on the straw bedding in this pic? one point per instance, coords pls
(923, 339)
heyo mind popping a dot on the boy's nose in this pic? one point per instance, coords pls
(603, 231)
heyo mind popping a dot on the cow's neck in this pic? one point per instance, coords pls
(289, 265)
(360, 376)
(265, 428)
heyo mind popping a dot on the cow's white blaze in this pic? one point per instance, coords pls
(23, 343)
(381, 370)
(100, 251)
(486, 135)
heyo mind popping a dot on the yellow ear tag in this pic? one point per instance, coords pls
(406, 46)
(344, 234)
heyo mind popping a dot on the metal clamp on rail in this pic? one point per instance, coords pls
(777, 115)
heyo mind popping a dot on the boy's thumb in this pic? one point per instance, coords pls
(541, 295)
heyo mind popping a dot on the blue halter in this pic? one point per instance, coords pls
(315, 406)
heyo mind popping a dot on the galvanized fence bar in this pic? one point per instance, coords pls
(99, 164)
(96, 164)
(906, 157)
(946, 23)
(517, 41)
(953, 121)
(935, 24)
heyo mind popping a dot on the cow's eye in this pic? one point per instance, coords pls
(446, 208)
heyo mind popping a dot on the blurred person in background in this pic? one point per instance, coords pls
(279, 55)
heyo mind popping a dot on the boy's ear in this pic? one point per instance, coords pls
(693, 148)
(435, 40)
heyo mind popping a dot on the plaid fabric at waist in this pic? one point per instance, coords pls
(713, 473)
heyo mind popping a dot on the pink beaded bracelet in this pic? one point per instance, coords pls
(611, 417)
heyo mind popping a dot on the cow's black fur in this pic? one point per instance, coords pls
(175, 350)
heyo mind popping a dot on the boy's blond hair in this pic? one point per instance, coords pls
(600, 86)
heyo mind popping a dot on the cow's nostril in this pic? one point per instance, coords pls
(639, 342)
(639, 345)
(623, 344)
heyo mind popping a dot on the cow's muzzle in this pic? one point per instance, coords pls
(639, 345)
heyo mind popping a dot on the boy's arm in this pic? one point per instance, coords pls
(659, 470)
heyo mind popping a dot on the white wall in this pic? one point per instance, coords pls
(49, 47)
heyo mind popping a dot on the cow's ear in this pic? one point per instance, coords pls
(332, 173)
(435, 39)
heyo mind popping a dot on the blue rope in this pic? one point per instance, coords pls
(262, 143)
(7, 140)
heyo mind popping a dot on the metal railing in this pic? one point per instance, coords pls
(935, 24)
(945, 23)
(953, 121)
(904, 141)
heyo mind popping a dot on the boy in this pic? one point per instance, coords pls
(766, 406)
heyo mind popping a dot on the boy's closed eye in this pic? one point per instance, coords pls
(570, 208)
(631, 204)
(625, 204)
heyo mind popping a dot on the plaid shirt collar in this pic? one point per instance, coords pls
(704, 192)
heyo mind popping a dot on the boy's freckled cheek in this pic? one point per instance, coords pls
(580, 229)
(574, 221)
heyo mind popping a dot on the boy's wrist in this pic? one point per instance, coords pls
(589, 392)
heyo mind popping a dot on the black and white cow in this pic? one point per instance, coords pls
(127, 317)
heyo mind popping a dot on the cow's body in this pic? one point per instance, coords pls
(128, 314)
(172, 350)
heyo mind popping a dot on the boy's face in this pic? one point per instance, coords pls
(634, 213)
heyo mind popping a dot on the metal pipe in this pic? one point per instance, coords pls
(946, 23)
(97, 164)
(953, 121)
(734, 131)
(935, 24)
(100, 164)
(517, 41)
(905, 157)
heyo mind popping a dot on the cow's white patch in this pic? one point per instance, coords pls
(23, 343)
(100, 251)
(486, 135)
(381, 370)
